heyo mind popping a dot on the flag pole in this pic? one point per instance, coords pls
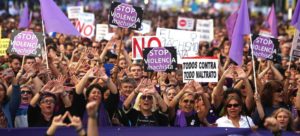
(45, 47)
(291, 50)
(253, 64)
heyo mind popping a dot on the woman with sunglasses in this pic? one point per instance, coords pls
(188, 114)
(233, 115)
(145, 111)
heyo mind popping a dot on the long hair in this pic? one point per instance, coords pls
(268, 90)
(290, 126)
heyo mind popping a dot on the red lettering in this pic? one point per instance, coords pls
(86, 30)
(154, 39)
(137, 47)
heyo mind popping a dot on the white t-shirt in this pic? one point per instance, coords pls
(225, 122)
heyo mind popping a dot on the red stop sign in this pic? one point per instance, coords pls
(182, 23)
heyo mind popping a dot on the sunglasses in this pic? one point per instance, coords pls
(48, 101)
(232, 105)
(189, 101)
(148, 97)
(26, 92)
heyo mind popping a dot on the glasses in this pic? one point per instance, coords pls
(48, 101)
(189, 101)
(26, 92)
(148, 97)
(232, 105)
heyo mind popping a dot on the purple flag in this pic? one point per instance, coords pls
(55, 20)
(24, 19)
(230, 22)
(272, 22)
(241, 28)
(295, 19)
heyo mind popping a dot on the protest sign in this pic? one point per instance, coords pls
(185, 42)
(26, 43)
(206, 29)
(200, 69)
(185, 23)
(101, 31)
(125, 15)
(295, 51)
(146, 27)
(159, 59)
(264, 47)
(3, 46)
(141, 42)
(85, 24)
(74, 11)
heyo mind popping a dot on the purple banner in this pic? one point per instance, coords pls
(147, 131)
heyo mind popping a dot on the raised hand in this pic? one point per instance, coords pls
(58, 120)
(75, 121)
(91, 109)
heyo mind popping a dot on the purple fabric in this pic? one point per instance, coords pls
(180, 118)
(55, 20)
(272, 22)
(24, 19)
(230, 22)
(241, 28)
(103, 117)
(295, 18)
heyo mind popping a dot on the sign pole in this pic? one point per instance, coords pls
(253, 64)
(45, 47)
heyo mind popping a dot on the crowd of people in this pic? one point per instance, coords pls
(82, 82)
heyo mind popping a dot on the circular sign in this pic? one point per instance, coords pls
(182, 23)
(159, 59)
(25, 43)
(125, 15)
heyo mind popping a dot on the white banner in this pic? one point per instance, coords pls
(101, 31)
(185, 42)
(74, 11)
(206, 28)
(185, 23)
(295, 51)
(141, 42)
(200, 69)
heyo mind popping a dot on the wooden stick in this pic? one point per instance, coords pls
(253, 64)
(45, 47)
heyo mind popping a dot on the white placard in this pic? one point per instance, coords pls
(185, 23)
(85, 24)
(73, 11)
(200, 69)
(206, 28)
(101, 31)
(185, 42)
(295, 51)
